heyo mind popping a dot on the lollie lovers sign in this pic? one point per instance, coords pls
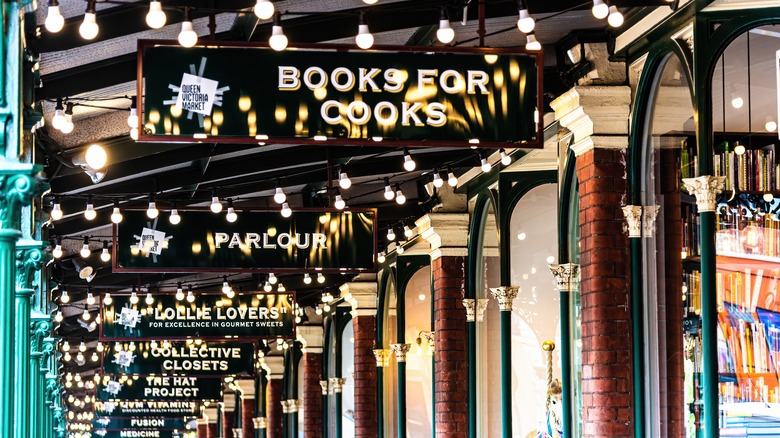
(426, 96)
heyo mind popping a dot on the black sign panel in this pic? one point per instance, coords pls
(161, 388)
(258, 241)
(141, 433)
(116, 423)
(410, 96)
(252, 316)
(148, 408)
(182, 358)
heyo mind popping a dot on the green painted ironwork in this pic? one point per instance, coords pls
(506, 373)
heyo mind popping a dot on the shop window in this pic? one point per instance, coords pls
(488, 275)
(348, 372)
(419, 361)
(533, 245)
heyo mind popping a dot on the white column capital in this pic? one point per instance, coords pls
(337, 384)
(475, 309)
(566, 275)
(325, 387)
(382, 356)
(633, 215)
(649, 214)
(260, 422)
(505, 295)
(706, 189)
(400, 351)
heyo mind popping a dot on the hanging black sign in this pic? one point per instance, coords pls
(116, 423)
(148, 408)
(250, 316)
(258, 241)
(181, 358)
(140, 433)
(423, 96)
(161, 388)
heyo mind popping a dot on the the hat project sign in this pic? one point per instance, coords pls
(161, 388)
(418, 96)
(207, 316)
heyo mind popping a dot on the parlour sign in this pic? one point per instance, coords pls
(317, 94)
(115, 423)
(209, 316)
(162, 388)
(147, 408)
(182, 358)
(258, 241)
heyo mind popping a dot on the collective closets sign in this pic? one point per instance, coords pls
(181, 358)
(252, 316)
(245, 93)
(258, 241)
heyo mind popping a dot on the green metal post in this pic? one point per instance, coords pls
(566, 369)
(8, 240)
(337, 400)
(22, 381)
(380, 402)
(401, 399)
(638, 337)
(260, 385)
(506, 373)
(709, 325)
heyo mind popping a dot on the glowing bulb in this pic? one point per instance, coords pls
(506, 160)
(739, 149)
(231, 215)
(421, 297)
(89, 27)
(225, 285)
(57, 251)
(408, 232)
(364, 39)
(389, 192)
(521, 236)
(56, 211)
(615, 18)
(551, 259)
(326, 308)
(267, 287)
(526, 22)
(132, 119)
(85, 316)
(306, 279)
(380, 257)
(82, 345)
(399, 249)
(279, 196)
(107, 299)
(187, 36)
(320, 278)
(90, 299)
(278, 40)
(437, 181)
(155, 18)
(399, 195)
(149, 299)
(737, 102)
(484, 165)
(174, 218)
(179, 292)
(390, 234)
(531, 43)
(339, 203)
(116, 215)
(190, 296)
(272, 278)
(54, 19)
(89, 212)
(152, 211)
(105, 255)
(58, 316)
(85, 252)
(344, 181)
(95, 357)
(409, 163)
(215, 206)
(452, 180)
(133, 298)
(768, 197)
(445, 34)
(600, 10)
(286, 210)
(770, 125)
(264, 9)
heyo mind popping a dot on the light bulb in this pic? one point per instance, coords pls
(54, 19)
(68, 126)
(286, 210)
(85, 316)
(344, 181)
(399, 195)
(95, 357)
(399, 248)
(390, 234)
(306, 279)
(408, 232)
(326, 308)
(89, 211)
(187, 36)
(409, 163)
(66, 357)
(116, 215)
(452, 180)
(267, 287)
(278, 40)
(82, 345)
(364, 39)
(105, 255)
(89, 27)
(600, 10)
(339, 203)
(190, 296)
(370, 2)
(215, 206)
(531, 43)
(58, 316)
(768, 197)
(107, 299)
(281, 288)
(320, 278)
(155, 18)
(58, 119)
(149, 299)
(231, 215)
(770, 125)
(56, 211)
(179, 292)
(526, 22)
(65, 345)
(506, 160)
(264, 9)
(57, 251)
(279, 196)
(90, 299)
(484, 165)
(134, 133)
(174, 218)
(737, 102)
(615, 18)
(380, 257)
(132, 119)
(133, 298)
(445, 34)
(389, 192)
(421, 297)
(739, 149)
(152, 211)
(272, 278)
(99, 348)
(437, 181)
(85, 252)
(225, 285)
(318, 310)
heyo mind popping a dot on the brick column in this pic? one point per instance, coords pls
(212, 430)
(203, 428)
(247, 415)
(606, 343)
(227, 423)
(275, 407)
(312, 395)
(361, 293)
(447, 235)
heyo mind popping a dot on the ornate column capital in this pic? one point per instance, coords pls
(566, 275)
(400, 351)
(337, 383)
(290, 406)
(18, 184)
(649, 214)
(706, 189)
(238, 432)
(382, 356)
(324, 386)
(30, 256)
(505, 295)
(260, 422)
(475, 309)
(633, 215)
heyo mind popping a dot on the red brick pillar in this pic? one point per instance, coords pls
(275, 408)
(312, 395)
(212, 430)
(227, 423)
(203, 428)
(604, 289)
(247, 415)
(364, 327)
(451, 358)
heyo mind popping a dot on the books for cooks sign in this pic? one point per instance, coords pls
(255, 315)
(181, 358)
(407, 96)
(258, 241)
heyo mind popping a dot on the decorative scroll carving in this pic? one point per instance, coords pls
(400, 351)
(505, 295)
(567, 276)
(706, 189)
